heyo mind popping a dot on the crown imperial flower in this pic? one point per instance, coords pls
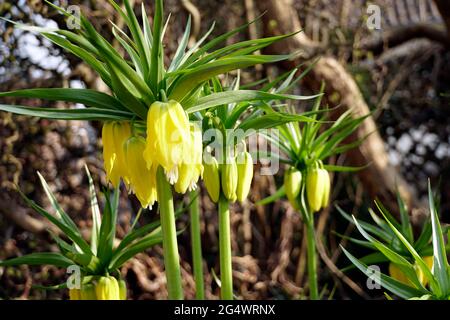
(245, 175)
(292, 185)
(114, 135)
(142, 177)
(168, 137)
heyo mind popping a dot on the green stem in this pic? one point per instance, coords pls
(169, 233)
(312, 257)
(197, 258)
(226, 275)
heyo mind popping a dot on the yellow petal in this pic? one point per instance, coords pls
(142, 179)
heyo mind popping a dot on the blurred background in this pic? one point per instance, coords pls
(400, 71)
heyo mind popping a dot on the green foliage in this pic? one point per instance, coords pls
(101, 256)
(394, 242)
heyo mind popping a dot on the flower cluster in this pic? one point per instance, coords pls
(233, 178)
(172, 142)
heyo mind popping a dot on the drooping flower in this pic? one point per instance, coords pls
(245, 174)
(142, 177)
(191, 169)
(168, 137)
(114, 135)
(88, 292)
(107, 288)
(317, 188)
(211, 177)
(292, 185)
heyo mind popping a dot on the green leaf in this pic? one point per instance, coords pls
(272, 198)
(87, 97)
(60, 212)
(108, 227)
(192, 77)
(237, 96)
(135, 248)
(71, 233)
(336, 168)
(406, 226)
(95, 210)
(382, 234)
(440, 263)
(419, 261)
(42, 258)
(388, 283)
(272, 120)
(68, 114)
(156, 60)
(404, 265)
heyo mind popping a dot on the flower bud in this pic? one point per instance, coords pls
(107, 288)
(292, 185)
(74, 294)
(325, 177)
(211, 178)
(88, 292)
(122, 290)
(398, 275)
(229, 179)
(315, 189)
(245, 175)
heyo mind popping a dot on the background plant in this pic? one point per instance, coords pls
(100, 259)
(423, 280)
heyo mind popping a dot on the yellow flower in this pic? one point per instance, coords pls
(317, 188)
(168, 136)
(245, 175)
(74, 294)
(326, 187)
(142, 179)
(88, 292)
(107, 288)
(292, 185)
(114, 135)
(229, 179)
(211, 177)
(397, 274)
(191, 168)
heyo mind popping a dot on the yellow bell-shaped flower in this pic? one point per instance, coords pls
(168, 137)
(74, 294)
(107, 288)
(317, 188)
(292, 185)
(191, 168)
(245, 174)
(88, 292)
(114, 135)
(142, 179)
(211, 177)
(229, 179)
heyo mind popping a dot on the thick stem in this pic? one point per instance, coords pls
(312, 257)
(226, 275)
(197, 258)
(169, 233)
